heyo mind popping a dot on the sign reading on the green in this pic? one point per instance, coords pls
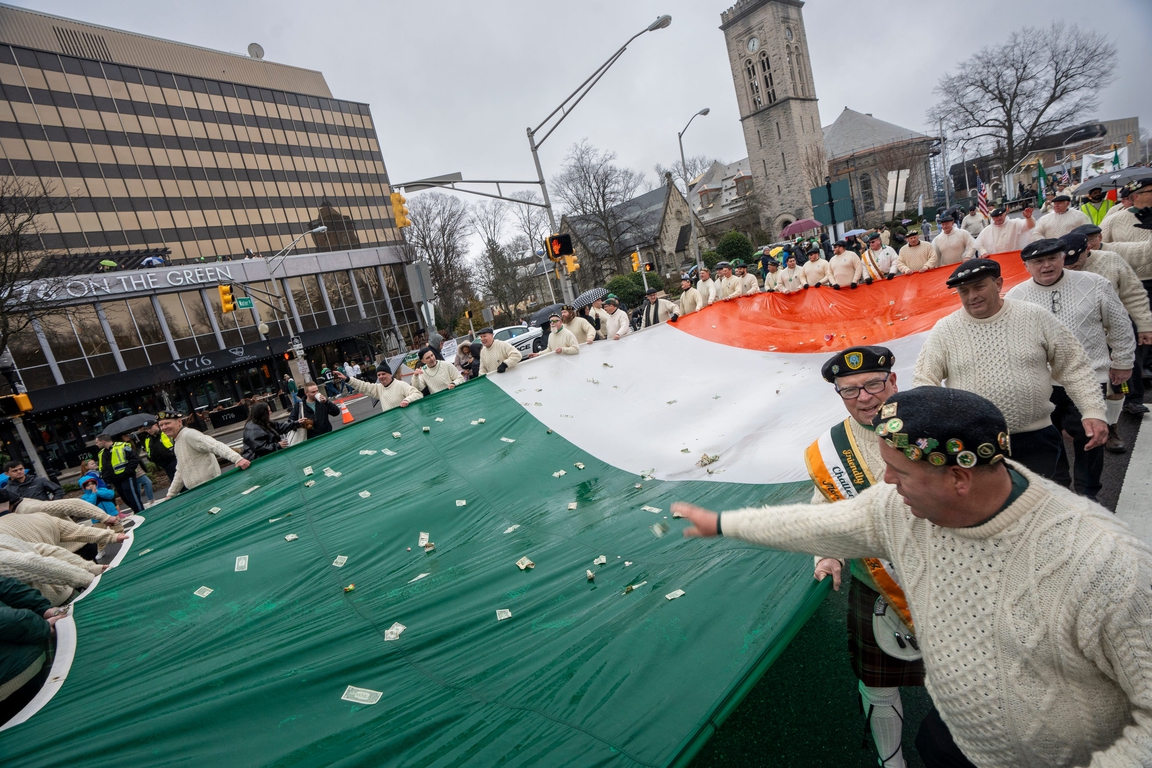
(244, 302)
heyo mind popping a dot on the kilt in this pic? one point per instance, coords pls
(876, 668)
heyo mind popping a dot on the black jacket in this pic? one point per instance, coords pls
(319, 413)
(37, 488)
(156, 450)
(260, 441)
(24, 633)
(108, 474)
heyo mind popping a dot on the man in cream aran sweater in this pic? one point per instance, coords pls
(582, 330)
(816, 270)
(1010, 352)
(1123, 233)
(791, 279)
(915, 256)
(690, 299)
(390, 391)
(706, 286)
(1089, 307)
(1004, 234)
(51, 570)
(435, 375)
(1059, 221)
(560, 339)
(1031, 604)
(196, 454)
(618, 326)
(496, 355)
(952, 245)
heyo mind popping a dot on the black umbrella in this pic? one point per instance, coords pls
(585, 299)
(1108, 181)
(129, 424)
(541, 315)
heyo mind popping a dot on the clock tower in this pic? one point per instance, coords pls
(768, 53)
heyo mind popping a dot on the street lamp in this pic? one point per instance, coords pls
(565, 109)
(687, 191)
(283, 252)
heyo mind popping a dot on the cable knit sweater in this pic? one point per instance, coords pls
(1119, 272)
(438, 378)
(389, 396)
(37, 527)
(1122, 236)
(1034, 625)
(1054, 224)
(691, 301)
(913, 259)
(791, 280)
(581, 330)
(1087, 304)
(564, 341)
(51, 570)
(845, 269)
(1012, 235)
(196, 459)
(500, 352)
(953, 247)
(618, 324)
(1011, 359)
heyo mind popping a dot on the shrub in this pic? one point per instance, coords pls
(733, 246)
(629, 288)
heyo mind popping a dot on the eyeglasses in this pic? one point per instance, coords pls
(874, 387)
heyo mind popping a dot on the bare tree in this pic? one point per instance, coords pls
(697, 164)
(441, 225)
(27, 291)
(498, 275)
(531, 220)
(814, 165)
(488, 220)
(1012, 95)
(594, 190)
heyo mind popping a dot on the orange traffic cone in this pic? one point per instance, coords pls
(345, 414)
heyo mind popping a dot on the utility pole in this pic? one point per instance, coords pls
(944, 162)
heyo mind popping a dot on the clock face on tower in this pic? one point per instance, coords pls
(788, 33)
(753, 44)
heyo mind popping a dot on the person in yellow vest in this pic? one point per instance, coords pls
(117, 462)
(1096, 207)
(842, 463)
(159, 448)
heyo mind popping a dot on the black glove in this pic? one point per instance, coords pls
(674, 318)
(806, 287)
(1144, 216)
(853, 286)
(835, 286)
(868, 281)
(502, 367)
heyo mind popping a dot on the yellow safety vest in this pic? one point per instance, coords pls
(119, 458)
(1094, 213)
(164, 441)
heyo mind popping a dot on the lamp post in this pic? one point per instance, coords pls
(687, 191)
(565, 109)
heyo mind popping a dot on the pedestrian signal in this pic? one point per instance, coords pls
(400, 210)
(227, 302)
(558, 246)
(635, 261)
(648, 266)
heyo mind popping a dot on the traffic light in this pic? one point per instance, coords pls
(648, 266)
(570, 264)
(635, 261)
(467, 314)
(227, 302)
(558, 246)
(400, 210)
(14, 405)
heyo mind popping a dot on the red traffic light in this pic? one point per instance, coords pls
(559, 246)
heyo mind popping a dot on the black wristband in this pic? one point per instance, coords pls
(719, 531)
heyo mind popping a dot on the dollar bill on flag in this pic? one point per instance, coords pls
(571, 505)
(674, 594)
(245, 493)
(203, 592)
(307, 470)
(393, 632)
(503, 613)
(461, 502)
(524, 564)
(511, 528)
(339, 561)
(242, 563)
(364, 494)
(291, 537)
(214, 510)
(423, 539)
(600, 560)
(361, 695)
(654, 510)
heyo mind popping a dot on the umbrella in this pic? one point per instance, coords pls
(585, 299)
(108, 263)
(1109, 180)
(775, 250)
(855, 232)
(800, 226)
(129, 423)
(541, 315)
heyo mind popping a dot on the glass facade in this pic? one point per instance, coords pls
(145, 159)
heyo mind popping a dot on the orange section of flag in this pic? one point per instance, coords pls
(823, 320)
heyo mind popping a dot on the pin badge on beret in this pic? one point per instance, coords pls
(966, 459)
(985, 450)
(1002, 438)
(888, 410)
(937, 459)
(835, 369)
(954, 446)
(913, 452)
(882, 430)
(894, 425)
(854, 360)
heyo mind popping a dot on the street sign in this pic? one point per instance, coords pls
(843, 212)
(244, 302)
(419, 281)
(840, 191)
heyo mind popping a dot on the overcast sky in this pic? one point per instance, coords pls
(454, 83)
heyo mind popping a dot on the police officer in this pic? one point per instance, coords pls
(158, 446)
(117, 462)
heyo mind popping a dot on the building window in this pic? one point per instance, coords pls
(743, 185)
(708, 197)
(765, 162)
(866, 196)
(784, 160)
(778, 136)
(754, 99)
(766, 77)
(800, 72)
(759, 138)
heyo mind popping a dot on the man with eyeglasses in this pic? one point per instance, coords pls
(844, 462)
(1088, 305)
(1011, 352)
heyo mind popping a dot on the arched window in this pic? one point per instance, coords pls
(866, 196)
(792, 70)
(800, 72)
(766, 77)
(755, 100)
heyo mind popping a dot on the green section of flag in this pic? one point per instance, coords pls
(582, 673)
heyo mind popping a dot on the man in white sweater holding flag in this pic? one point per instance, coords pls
(1030, 603)
(390, 391)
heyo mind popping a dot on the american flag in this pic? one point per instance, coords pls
(1065, 179)
(981, 196)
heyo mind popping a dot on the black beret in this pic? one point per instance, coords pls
(972, 270)
(874, 236)
(1073, 245)
(1042, 247)
(1062, 199)
(858, 360)
(1139, 184)
(163, 415)
(943, 426)
(722, 265)
(912, 232)
(484, 330)
(998, 212)
(841, 243)
(568, 307)
(1087, 230)
(1125, 193)
(383, 368)
(813, 249)
(650, 291)
(947, 217)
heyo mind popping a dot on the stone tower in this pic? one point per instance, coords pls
(768, 53)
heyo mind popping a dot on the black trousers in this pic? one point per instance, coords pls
(126, 487)
(1038, 450)
(1136, 381)
(1089, 464)
(935, 744)
(170, 469)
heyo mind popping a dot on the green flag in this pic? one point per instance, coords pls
(1042, 183)
(1115, 158)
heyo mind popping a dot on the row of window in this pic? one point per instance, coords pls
(87, 238)
(126, 75)
(52, 168)
(142, 327)
(161, 202)
(294, 144)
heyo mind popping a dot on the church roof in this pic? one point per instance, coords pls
(636, 223)
(855, 132)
